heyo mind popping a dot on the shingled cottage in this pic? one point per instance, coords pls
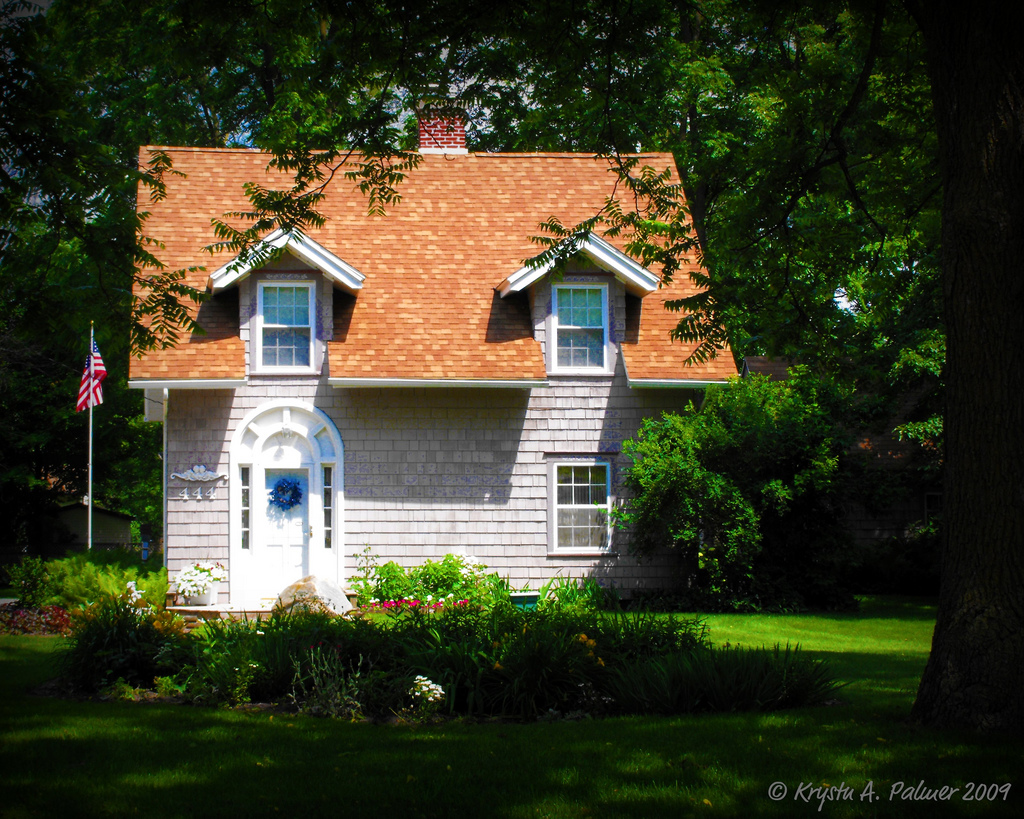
(406, 382)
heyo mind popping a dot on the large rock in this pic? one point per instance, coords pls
(314, 594)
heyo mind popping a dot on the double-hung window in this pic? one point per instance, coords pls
(580, 327)
(286, 328)
(582, 499)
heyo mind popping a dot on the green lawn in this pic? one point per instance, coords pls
(880, 651)
(122, 759)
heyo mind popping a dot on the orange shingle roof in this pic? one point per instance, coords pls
(428, 308)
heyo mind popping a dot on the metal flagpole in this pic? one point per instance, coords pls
(88, 518)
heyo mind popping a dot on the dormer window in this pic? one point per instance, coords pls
(286, 329)
(580, 314)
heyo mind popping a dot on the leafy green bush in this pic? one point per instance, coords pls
(254, 660)
(453, 647)
(121, 638)
(746, 490)
(325, 686)
(503, 661)
(583, 595)
(453, 578)
(86, 577)
(236, 661)
(31, 581)
(224, 671)
(458, 579)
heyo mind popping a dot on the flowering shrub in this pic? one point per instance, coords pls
(543, 663)
(425, 691)
(197, 578)
(427, 696)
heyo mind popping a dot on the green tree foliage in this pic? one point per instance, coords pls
(746, 490)
(820, 104)
(75, 110)
(809, 175)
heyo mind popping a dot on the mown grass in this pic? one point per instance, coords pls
(62, 757)
(879, 652)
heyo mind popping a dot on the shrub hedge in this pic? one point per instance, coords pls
(461, 659)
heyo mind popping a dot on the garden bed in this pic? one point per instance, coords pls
(18, 619)
(420, 662)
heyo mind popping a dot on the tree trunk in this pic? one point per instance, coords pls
(975, 673)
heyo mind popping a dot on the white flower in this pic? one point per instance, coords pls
(133, 593)
(426, 691)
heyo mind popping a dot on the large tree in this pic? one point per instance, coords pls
(975, 673)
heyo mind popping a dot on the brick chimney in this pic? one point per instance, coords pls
(442, 129)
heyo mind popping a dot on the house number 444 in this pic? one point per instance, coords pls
(198, 494)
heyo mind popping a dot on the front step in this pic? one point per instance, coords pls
(195, 615)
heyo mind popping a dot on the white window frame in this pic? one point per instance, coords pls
(261, 325)
(556, 327)
(327, 474)
(556, 549)
(245, 505)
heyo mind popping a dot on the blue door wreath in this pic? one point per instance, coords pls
(286, 494)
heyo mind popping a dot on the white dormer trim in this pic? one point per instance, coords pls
(301, 247)
(636, 278)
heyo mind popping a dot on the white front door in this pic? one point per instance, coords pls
(283, 556)
(293, 448)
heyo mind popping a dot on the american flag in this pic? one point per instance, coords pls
(90, 393)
